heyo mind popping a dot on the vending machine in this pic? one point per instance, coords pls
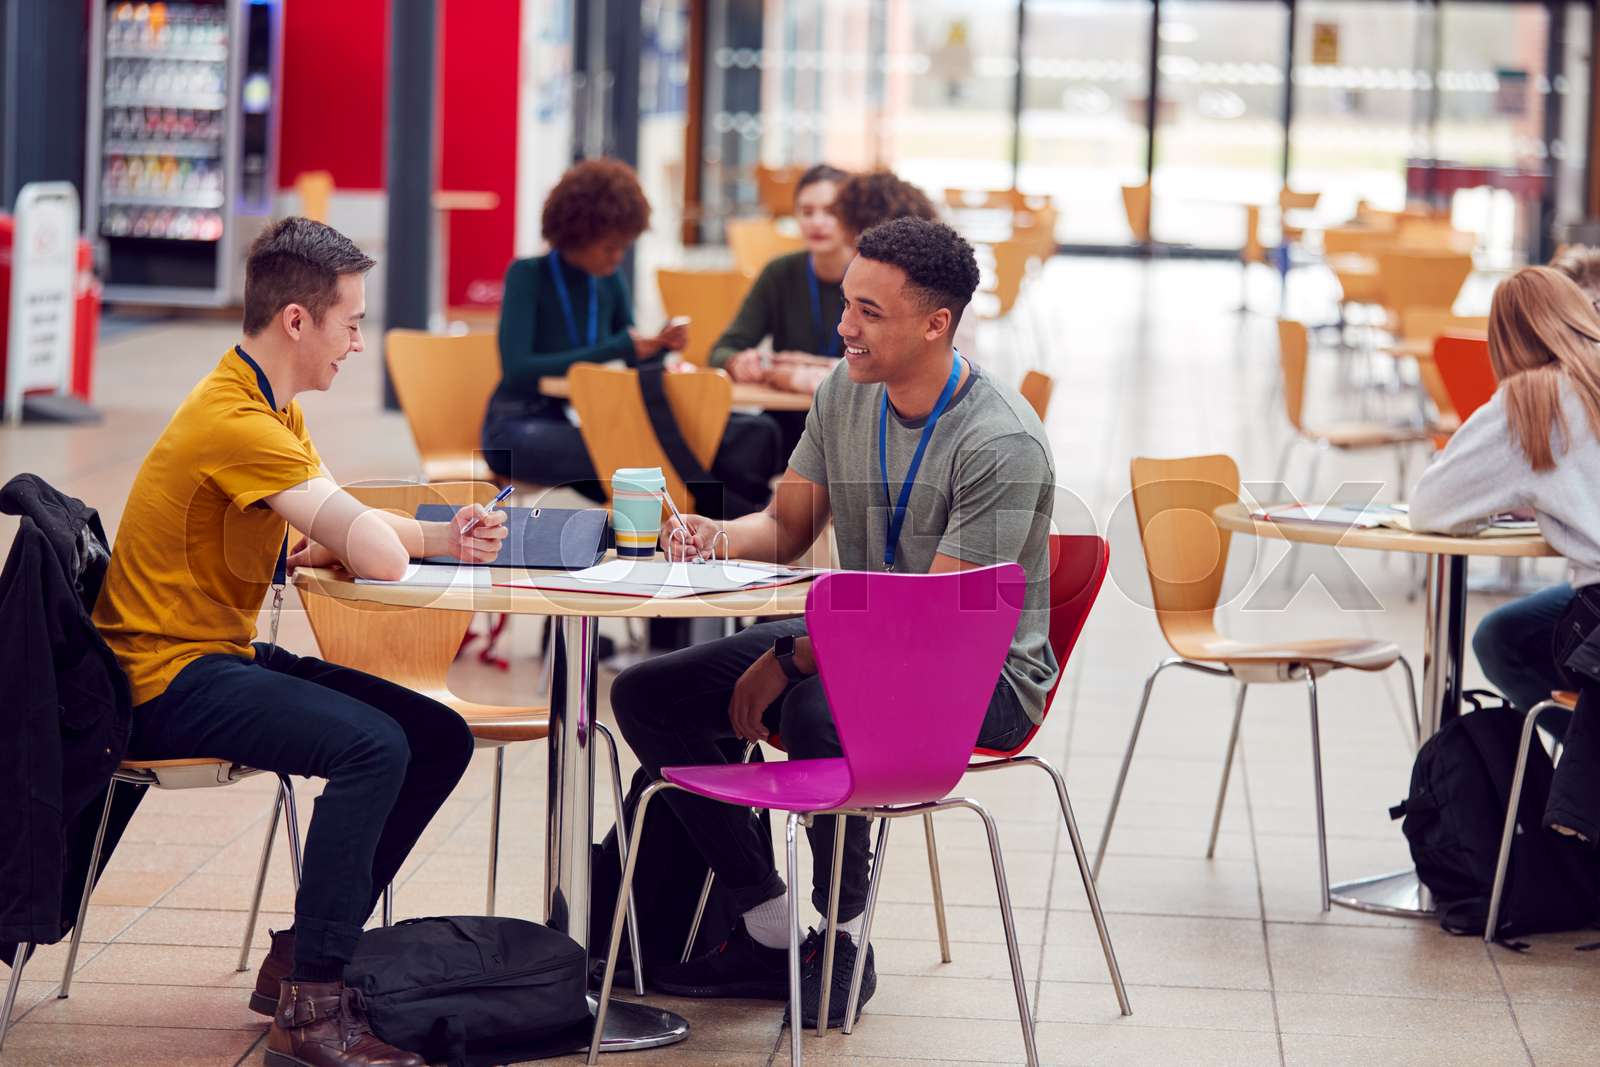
(183, 144)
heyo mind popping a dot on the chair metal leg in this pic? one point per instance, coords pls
(88, 890)
(878, 855)
(12, 985)
(1316, 777)
(494, 828)
(831, 937)
(1083, 871)
(1227, 768)
(619, 915)
(622, 854)
(1503, 863)
(793, 858)
(938, 888)
(1411, 695)
(1024, 1014)
(1127, 760)
(291, 815)
(388, 904)
(261, 882)
(705, 888)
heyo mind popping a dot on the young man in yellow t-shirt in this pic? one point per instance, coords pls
(202, 539)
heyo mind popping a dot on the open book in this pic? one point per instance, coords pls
(1392, 516)
(658, 578)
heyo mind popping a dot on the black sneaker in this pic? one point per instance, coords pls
(844, 965)
(739, 967)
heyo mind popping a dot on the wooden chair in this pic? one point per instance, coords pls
(616, 428)
(775, 188)
(444, 384)
(1036, 389)
(1294, 200)
(1464, 368)
(1351, 253)
(757, 242)
(1293, 354)
(1186, 553)
(315, 190)
(1433, 233)
(1136, 202)
(709, 297)
(1426, 323)
(1421, 278)
(177, 774)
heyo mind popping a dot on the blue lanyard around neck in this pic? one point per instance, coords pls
(828, 341)
(897, 518)
(566, 303)
(280, 573)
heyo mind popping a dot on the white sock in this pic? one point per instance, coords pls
(768, 922)
(849, 926)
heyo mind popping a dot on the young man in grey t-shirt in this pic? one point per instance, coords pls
(980, 495)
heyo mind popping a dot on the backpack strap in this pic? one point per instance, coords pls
(670, 437)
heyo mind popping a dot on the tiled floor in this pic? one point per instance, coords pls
(1230, 961)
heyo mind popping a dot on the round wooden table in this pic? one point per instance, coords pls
(1443, 646)
(745, 395)
(569, 818)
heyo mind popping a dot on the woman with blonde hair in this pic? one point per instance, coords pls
(1536, 446)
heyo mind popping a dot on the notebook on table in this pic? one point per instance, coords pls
(658, 578)
(567, 539)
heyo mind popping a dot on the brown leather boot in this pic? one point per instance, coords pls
(324, 1024)
(278, 965)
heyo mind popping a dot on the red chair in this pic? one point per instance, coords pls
(1464, 367)
(1077, 569)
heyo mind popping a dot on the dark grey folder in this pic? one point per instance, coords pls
(542, 538)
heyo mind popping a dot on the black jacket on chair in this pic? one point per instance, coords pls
(66, 713)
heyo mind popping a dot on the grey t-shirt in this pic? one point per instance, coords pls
(983, 495)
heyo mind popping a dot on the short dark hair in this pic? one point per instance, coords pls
(595, 198)
(1581, 263)
(865, 200)
(938, 262)
(820, 172)
(297, 261)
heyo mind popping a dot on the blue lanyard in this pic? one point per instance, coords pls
(566, 303)
(897, 518)
(828, 341)
(280, 573)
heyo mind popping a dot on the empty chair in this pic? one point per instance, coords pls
(775, 188)
(1136, 202)
(1036, 388)
(1411, 277)
(443, 384)
(711, 298)
(315, 190)
(1463, 366)
(757, 242)
(1186, 553)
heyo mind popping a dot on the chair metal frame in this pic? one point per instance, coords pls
(1509, 831)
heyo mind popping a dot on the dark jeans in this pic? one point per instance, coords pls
(1575, 790)
(391, 757)
(1514, 644)
(672, 709)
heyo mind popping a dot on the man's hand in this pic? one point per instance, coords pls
(482, 543)
(307, 553)
(762, 683)
(746, 367)
(701, 530)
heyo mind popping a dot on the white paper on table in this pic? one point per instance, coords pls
(438, 575)
(658, 578)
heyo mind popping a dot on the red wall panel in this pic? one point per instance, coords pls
(333, 91)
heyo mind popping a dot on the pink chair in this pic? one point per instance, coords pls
(885, 680)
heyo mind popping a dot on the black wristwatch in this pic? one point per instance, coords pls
(783, 652)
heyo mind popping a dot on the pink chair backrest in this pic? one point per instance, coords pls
(1077, 569)
(909, 662)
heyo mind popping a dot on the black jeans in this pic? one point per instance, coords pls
(1575, 790)
(391, 757)
(672, 710)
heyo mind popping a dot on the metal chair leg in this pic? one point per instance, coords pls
(1127, 760)
(88, 890)
(831, 936)
(1083, 871)
(1227, 768)
(878, 854)
(261, 882)
(793, 859)
(494, 827)
(388, 904)
(1316, 777)
(1024, 1015)
(1503, 863)
(705, 888)
(291, 815)
(18, 961)
(622, 854)
(938, 888)
(1411, 695)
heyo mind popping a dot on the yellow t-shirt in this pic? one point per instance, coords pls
(196, 548)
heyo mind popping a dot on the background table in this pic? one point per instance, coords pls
(569, 820)
(1443, 640)
(745, 395)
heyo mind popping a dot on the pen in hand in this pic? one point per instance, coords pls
(472, 523)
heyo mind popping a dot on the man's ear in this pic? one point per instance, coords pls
(937, 324)
(295, 319)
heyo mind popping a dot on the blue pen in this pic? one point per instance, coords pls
(498, 497)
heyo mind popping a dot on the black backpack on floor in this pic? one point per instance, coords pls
(1460, 789)
(473, 989)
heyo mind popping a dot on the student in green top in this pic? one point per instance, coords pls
(568, 306)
